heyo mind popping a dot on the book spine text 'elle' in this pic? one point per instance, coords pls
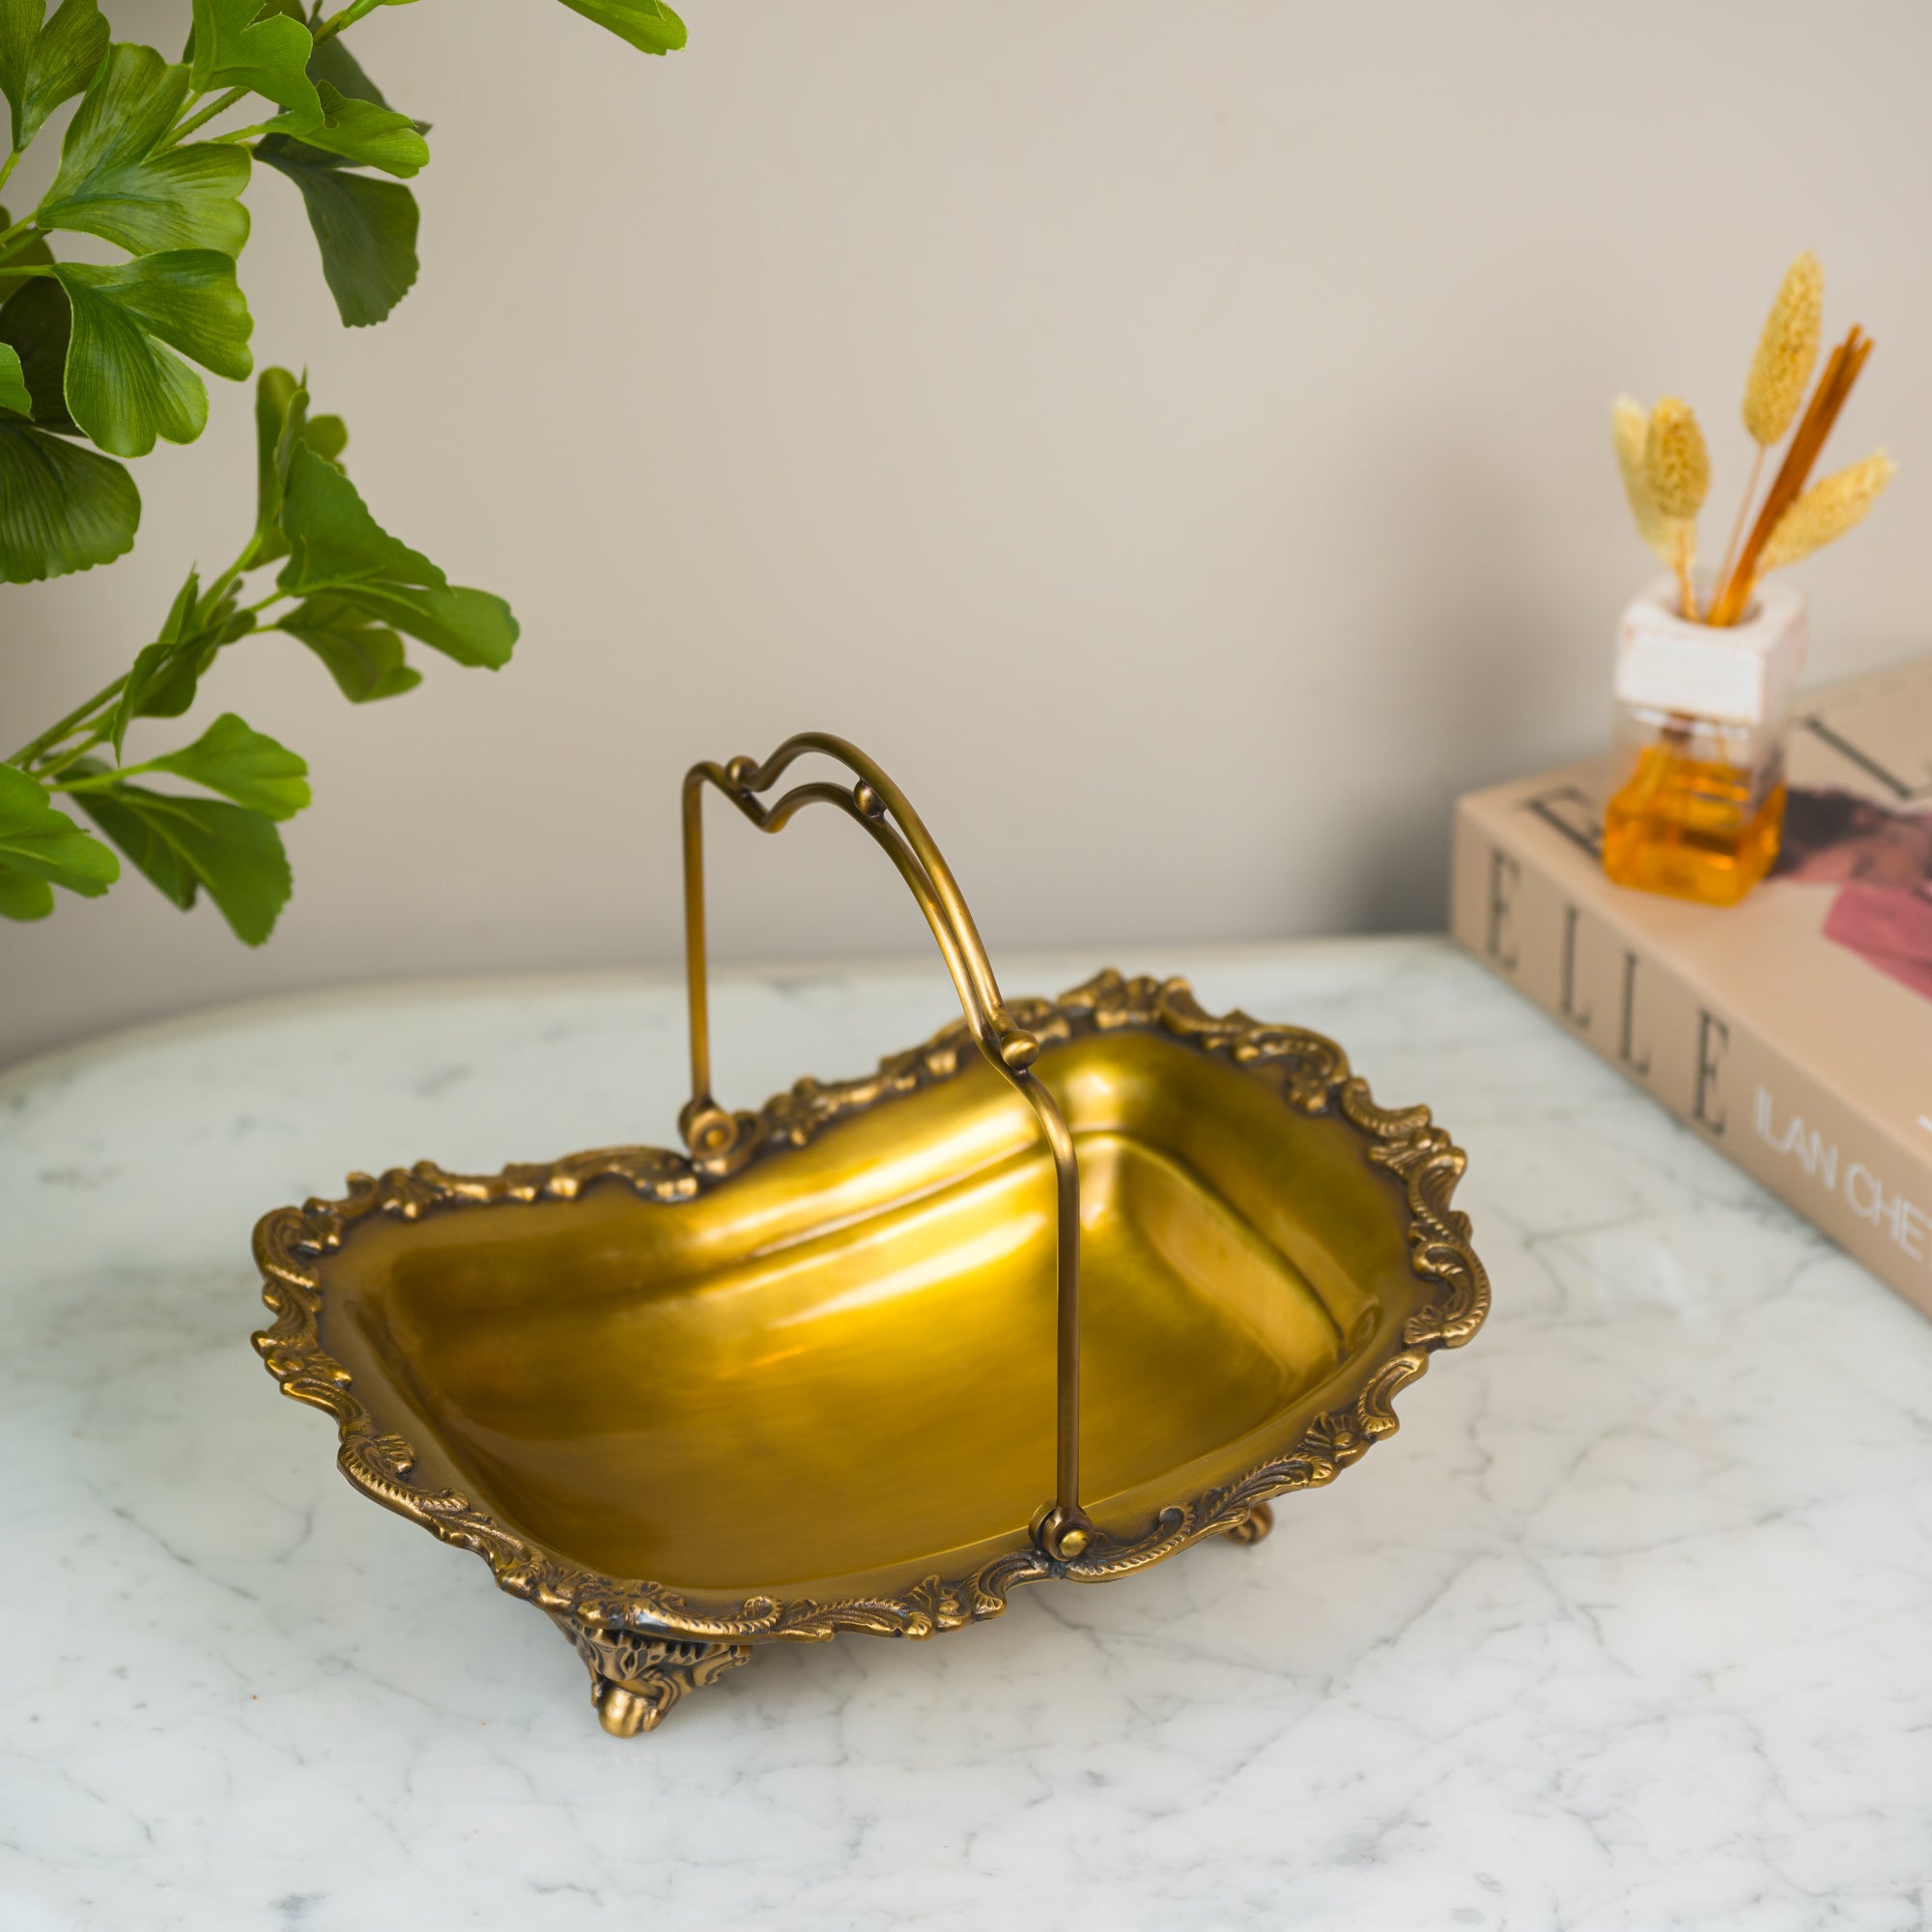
(1606, 989)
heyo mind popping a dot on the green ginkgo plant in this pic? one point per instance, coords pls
(92, 373)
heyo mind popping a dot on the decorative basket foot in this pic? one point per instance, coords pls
(1255, 1525)
(635, 1680)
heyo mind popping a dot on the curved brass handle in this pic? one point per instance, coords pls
(1063, 1531)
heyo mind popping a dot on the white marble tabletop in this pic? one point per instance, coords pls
(1630, 1626)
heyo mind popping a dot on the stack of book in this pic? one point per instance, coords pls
(1794, 1031)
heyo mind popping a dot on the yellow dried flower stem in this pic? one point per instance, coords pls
(1677, 466)
(1738, 524)
(1786, 351)
(1827, 511)
(1630, 424)
(1681, 558)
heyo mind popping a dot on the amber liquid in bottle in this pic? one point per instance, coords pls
(1689, 826)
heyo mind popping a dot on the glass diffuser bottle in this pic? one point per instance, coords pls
(1702, 715)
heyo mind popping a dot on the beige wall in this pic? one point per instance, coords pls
(1171, 439)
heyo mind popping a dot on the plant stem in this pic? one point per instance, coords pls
(222, 103)
(8, 166)
(82, 716)
(219, 105)
(48, 773)
(72, 723)
(249, 609)
(219, 589)
(99, 780)
(20, 228)
(1686, 543)
(1737, 529)
(332, 26)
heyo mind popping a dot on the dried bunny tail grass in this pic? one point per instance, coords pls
(1675, 462)
(1786, 351)
(1630, 424)
(1683, 560)
(1827, 511)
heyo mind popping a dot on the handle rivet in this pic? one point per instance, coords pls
(870, 805)
(1073, 1544)
(1019, 1049)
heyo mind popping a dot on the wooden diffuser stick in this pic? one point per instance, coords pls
(1842, 371)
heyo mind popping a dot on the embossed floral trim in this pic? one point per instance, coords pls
(291, 1241)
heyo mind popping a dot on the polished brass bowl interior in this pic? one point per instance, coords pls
(808, 1381)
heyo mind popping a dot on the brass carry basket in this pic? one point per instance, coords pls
(799, 1372)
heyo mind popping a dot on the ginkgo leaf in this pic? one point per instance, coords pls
(42, 65)
(366, 228)
(37, 839)
(334, 543)
(113, 184)
(649, 26)
(281, 404)
(24, 896)
(327, 437)
(36, 323)
(154, 856)
(162, 682)
(62, 506)
(241, 764)
(13, 382)
(175, 626)
(183, 844)
(281, 422)
(365, 659)
(333, 539)
(166, 673)
(360, 131)
(122, 386)
(474, 627)
(231, 48)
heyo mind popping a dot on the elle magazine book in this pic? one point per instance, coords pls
(1793, 1030)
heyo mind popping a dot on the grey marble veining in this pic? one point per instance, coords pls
(1630, 1626)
